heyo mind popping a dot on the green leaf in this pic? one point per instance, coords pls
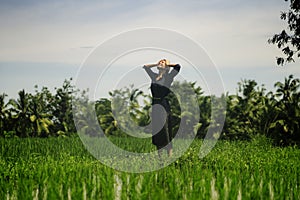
(32, 118)
(285, 128)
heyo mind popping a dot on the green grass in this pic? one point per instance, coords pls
(61, 168)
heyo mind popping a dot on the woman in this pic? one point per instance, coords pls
(161, 118)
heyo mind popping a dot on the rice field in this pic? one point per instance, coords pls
(61, 168)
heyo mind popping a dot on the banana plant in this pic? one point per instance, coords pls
(105, 118)
(40, 120)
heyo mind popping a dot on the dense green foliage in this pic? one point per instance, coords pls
(251, 111)
(40, 114)
(61, 168)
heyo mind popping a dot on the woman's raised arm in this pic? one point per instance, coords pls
(150, 65)
(149, 71)
(175, 70)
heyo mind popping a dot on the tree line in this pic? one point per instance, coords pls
(251, 111)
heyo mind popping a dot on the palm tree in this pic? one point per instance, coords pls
(247, 111)
(288, 89)
(85, 118)
(139, 113)
(20, 114)
(62, 108)
(287, 125)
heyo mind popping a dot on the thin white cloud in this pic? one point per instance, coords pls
(234, 32)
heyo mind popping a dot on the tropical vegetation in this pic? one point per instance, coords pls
(251, 111)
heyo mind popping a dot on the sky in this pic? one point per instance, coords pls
(45, 42)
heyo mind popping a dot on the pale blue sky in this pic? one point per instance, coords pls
(45, 42)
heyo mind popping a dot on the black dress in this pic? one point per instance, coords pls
(161, 110)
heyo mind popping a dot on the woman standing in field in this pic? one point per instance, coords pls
(161, 111)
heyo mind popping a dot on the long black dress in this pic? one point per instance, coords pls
(161, 118)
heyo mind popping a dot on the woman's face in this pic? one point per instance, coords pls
(163, 66)
(162, 63)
